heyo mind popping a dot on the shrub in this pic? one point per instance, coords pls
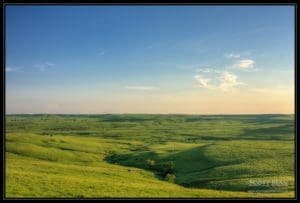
(150, 163)
(168, 167)
(170, 177)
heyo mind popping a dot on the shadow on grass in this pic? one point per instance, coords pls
(185, 162)
(285, 132)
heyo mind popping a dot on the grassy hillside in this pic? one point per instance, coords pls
(149, 156)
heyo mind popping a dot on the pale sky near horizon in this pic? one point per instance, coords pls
(150, 59)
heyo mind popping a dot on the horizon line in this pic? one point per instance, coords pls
(148, 114)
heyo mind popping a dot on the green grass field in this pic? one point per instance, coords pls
(99, 156)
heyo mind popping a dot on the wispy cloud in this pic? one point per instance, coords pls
(207, 70)
(150, 46)
(244, 64)
(193, 67)
(228, 80)
(44, 66)
(260, 90)
(274, 90)
(204, 70)
(101, 52)
(232, 55)
(140, 87)
(224, 82)
(204, 82)
(11, 69)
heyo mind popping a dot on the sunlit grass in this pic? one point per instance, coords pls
(106, 156)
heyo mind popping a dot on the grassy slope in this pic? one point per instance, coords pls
(214, 156)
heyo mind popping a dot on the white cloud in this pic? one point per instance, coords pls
(224, 82)
(231, 55)
(202, 81)
(140, 87)
(228, 80)
(245, 64)
(15, 70)
(44, 66)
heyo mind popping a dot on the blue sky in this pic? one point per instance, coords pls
(149, 59)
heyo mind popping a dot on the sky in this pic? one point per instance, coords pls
(149, 59)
